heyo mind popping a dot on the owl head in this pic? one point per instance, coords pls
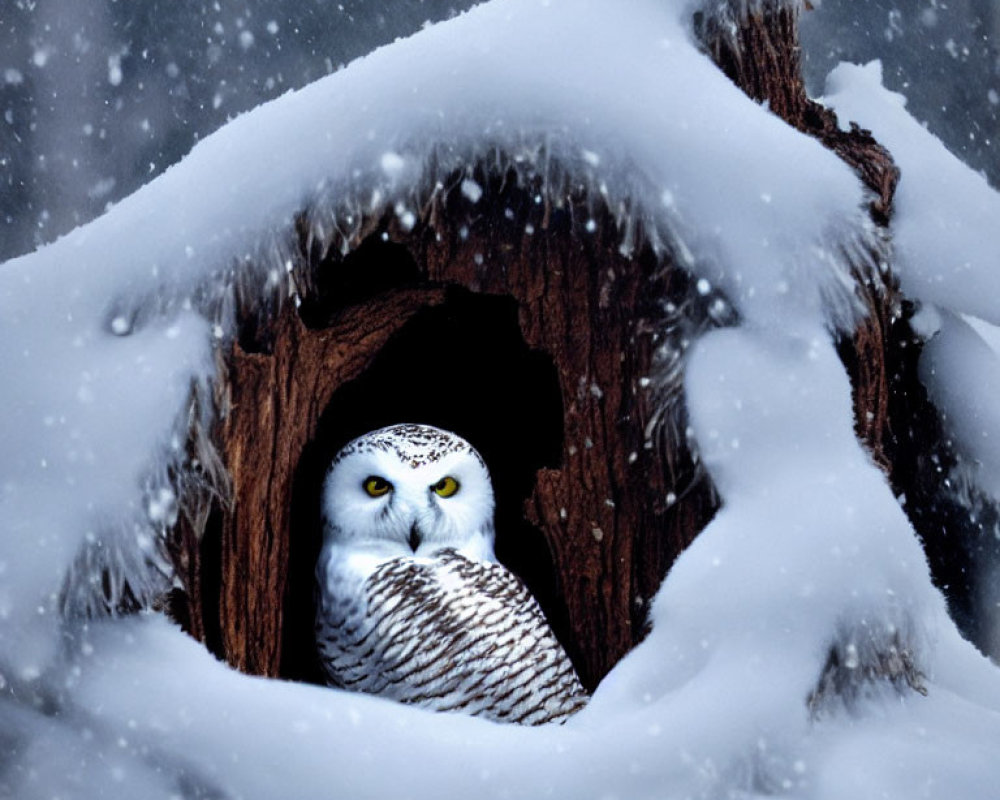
(409, 490)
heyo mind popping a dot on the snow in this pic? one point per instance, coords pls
(945, 234)
(87, 417)
(105, 334)
(962, 374)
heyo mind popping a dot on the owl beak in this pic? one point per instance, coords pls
(414, 540)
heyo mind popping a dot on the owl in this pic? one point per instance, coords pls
(412, 604)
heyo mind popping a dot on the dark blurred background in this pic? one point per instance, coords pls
(941, 54)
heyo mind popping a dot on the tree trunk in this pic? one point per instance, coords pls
(524, 326)
(592, 523)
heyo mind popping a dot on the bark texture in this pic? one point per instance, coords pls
(601, 514)
(761, 54)
(275, 401)
(604, 510)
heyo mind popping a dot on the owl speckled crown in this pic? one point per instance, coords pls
(415, 445)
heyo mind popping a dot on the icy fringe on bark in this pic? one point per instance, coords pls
(560, 177)
(133, 565)
(130, 565)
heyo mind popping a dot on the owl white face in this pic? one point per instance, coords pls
(409, 490)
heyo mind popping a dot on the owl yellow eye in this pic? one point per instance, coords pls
(376, 486)
(445, 487)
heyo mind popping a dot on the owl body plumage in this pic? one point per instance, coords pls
(412, 604)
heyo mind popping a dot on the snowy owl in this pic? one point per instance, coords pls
(412, 603)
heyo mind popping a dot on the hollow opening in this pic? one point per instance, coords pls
(462, 366)
(374, 267)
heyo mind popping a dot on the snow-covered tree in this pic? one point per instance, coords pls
(739, 328)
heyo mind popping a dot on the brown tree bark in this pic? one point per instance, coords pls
(612, 514)
(275, 401)
(616, 511)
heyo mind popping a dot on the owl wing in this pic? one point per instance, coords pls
(457, 635)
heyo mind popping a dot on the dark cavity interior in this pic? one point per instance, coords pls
(465, 367)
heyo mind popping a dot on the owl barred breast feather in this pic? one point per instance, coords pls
(412, 604)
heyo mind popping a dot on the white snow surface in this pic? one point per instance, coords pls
(945, 231)
(810, 550)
